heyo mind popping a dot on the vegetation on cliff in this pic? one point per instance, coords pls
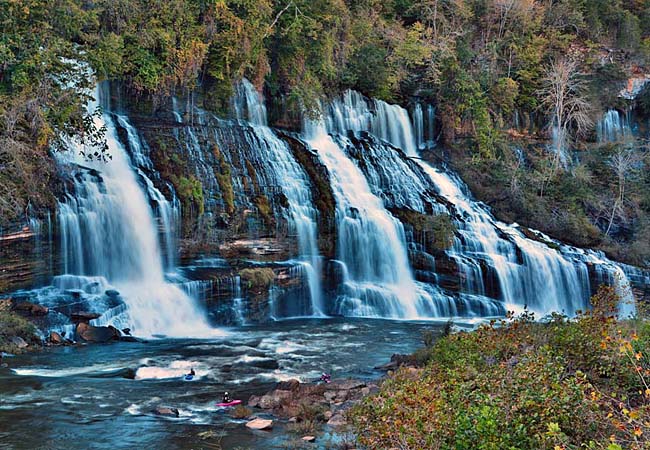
(490, 67)
(564, 384)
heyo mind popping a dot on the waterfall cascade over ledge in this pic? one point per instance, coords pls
(110, 249)
(366, 252)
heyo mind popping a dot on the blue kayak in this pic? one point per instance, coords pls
(188, 377)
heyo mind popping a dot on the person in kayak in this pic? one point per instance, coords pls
(226, 398)
(192, 373)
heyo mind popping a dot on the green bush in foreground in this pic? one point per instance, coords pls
(520, 384)
(11, 325)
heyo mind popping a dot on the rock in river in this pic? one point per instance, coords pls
(166, 411)
(260, 424)
(19, 342)
(55, 338)
(83, 317)
(91, 333)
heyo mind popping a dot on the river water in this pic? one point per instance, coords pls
(77, 397)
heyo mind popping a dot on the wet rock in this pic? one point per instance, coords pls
(126, 331)
(19, 342)
(289, 385)
(83, 317)
(344, 385)
(112, 293)
(166, 411)
(75, 293)
(274, 399)
(270, 364)
(309, 438)
(386, 367)
(254, 401)
(39, 310)
(337, 420)
(91, 333)
(32, 308)
(260, 424)
(55, 338)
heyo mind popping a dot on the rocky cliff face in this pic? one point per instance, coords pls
(235, 187)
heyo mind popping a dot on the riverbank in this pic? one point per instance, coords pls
(562, 384)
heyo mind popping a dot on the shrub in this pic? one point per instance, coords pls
(12, 325)
(257, 278)
(517, 383)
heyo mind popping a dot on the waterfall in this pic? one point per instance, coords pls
(168, 212)
(529, 273)
(377, 280)
(613, 127)
(424, 127)
(108, 230)
(248, 105)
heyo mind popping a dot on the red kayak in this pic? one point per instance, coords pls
(232, 403)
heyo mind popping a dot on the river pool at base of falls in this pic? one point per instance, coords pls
(76, 397)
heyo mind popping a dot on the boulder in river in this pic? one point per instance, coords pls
(166, 411)
(260, 424)
(83, 317)
(269, 364)
(112, 293)
(91, 333)
(32, 308)
(19, 342)
(55, 338)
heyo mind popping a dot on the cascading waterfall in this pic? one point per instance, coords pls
(613, 127)
(108, 230)
(249, 105)
(168, 212)
(529, 273)
(377, 280)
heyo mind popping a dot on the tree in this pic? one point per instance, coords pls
(626, 164)
(563, 99)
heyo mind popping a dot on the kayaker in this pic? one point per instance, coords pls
(226, 398)
(325, 377)
(192, 373)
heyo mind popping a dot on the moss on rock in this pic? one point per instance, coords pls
(223, 174)
(257, 279)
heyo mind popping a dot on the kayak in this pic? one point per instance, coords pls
(232, 403)
(188, 377)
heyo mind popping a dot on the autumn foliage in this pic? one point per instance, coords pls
(522, 384)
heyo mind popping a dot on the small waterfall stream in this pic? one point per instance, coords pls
(613, 127)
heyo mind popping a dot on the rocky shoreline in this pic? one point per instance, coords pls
(306, 408)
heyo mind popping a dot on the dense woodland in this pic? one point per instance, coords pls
(481, 62)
